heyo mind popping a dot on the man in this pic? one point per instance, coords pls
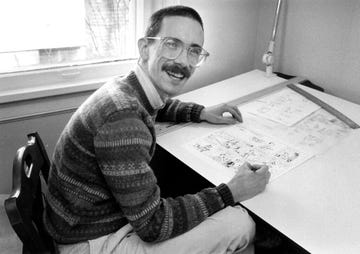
(103, 196)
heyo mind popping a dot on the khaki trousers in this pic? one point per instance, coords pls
(230, 230)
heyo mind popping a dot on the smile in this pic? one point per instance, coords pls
(175, 75)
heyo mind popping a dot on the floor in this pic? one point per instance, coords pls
(9, 242)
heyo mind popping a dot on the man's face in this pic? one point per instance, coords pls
(170, 75)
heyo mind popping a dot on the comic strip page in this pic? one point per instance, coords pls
(314, 134)
(286, 107)
(282, 143)
(229, 148)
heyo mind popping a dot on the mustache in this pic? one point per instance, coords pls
(176, 68)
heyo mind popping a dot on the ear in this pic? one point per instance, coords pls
(143, 49)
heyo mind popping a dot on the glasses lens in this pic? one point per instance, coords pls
(171, 48)
(195, 55)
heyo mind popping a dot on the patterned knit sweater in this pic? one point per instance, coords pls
(100, 178)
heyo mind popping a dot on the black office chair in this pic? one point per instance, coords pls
(25, 205)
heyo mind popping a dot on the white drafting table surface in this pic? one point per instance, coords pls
(317, 204)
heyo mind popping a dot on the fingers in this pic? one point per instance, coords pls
(247, 165)
(220, 120)
(229, 121)
(256, 167)
(218, 114)
(259, 169)
(264, 170)
(234, 111)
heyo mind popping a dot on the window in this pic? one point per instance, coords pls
(55, 44)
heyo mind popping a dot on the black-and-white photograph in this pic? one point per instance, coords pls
(179, 127)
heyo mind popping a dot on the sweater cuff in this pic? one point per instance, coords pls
(195, 113)
(226, 194)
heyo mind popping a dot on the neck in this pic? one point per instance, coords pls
(144, 68)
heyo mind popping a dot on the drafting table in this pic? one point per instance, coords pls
(317, 204)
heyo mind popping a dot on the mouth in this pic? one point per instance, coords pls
(175, 75)
(176, 72)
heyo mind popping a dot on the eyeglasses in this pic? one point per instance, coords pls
(172, 48)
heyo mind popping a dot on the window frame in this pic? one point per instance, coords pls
(27, 85)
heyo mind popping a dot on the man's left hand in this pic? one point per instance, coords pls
(215, 114)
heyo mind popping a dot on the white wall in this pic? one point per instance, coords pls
(48, 116)
(319, 40)
(230, 34)
(13, 136)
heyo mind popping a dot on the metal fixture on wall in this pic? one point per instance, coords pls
(268, 58)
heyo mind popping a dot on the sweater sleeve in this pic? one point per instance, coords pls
(177, 111)
(122, 149)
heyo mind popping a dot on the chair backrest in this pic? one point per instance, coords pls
(25, 205)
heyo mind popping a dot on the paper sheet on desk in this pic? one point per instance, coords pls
(258, 140)
(286, 107)
(229, 148)
(314, 134)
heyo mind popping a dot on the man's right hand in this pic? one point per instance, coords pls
(249, 181)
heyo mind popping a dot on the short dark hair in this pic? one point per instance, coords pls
(177, 10)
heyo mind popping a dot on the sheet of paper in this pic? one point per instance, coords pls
(286, 107)
(261, 141)
(281, 130)
(230, 147)
(314, 134)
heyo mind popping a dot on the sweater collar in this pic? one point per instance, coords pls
(135, 84)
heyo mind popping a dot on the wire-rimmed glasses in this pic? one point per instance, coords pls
(172, 48)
